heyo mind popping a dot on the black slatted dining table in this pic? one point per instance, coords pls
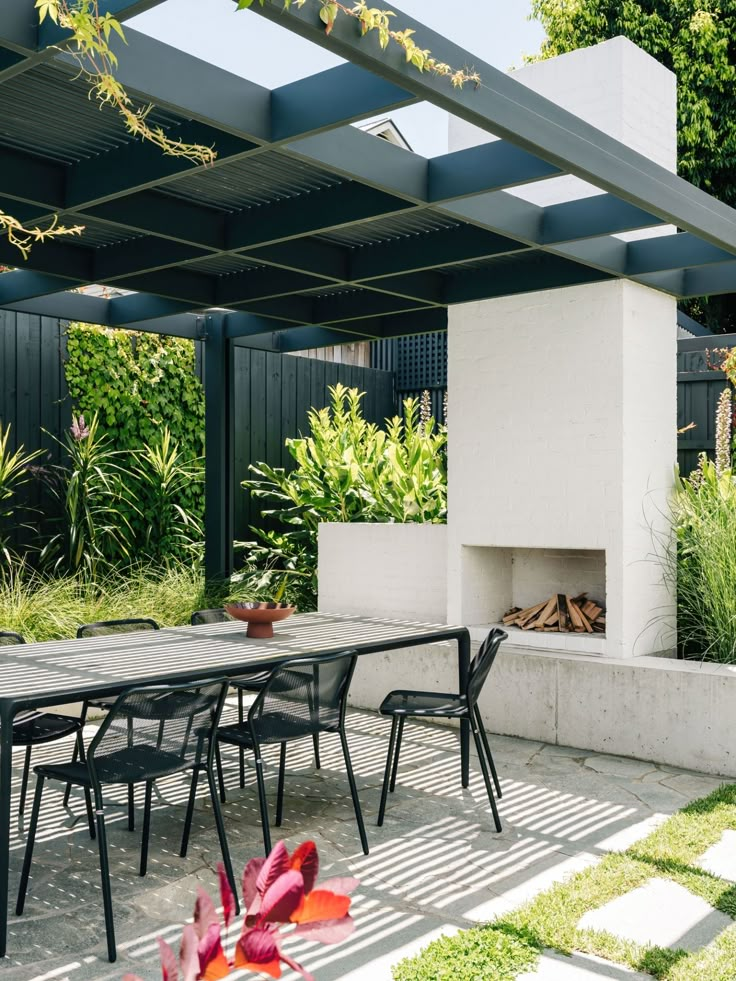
(58, 672)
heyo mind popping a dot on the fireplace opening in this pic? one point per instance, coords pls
(566, 587)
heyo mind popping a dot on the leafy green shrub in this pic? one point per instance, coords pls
(347, 469)
(140, 384)
(705, 521)
(479, 954)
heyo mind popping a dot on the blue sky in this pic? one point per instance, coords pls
(497, 31)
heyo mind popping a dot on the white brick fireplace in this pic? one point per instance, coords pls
(562, 442)
(563, 404)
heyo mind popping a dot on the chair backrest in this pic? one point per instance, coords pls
(105, 627)
(482, 663)
(303, 697)
(209, 616)
(8, 637)
(148, 721)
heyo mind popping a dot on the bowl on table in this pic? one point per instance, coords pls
(260, 617)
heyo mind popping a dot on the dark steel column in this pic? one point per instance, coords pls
(6, 760)
(218, 520)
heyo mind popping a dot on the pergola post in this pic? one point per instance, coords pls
(218, 520)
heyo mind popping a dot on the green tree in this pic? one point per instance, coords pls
(696, 40)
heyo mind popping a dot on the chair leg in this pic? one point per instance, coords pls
(190, 813)
(220, 776)
(24, 779)
(354, 791)
(146, 826)
(105, 879)
(131, 807)
(90, 813)
(263, 804)
(487, 748)
(23, 887)
(313, 700)
(486, 777)
(78, 751)
(280, 793)
(241, 718)
(131, 788)
(395, 770)
(387, 774)
(223, 839)
(87, 794)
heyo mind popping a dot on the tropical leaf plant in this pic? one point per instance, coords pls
(347, 469)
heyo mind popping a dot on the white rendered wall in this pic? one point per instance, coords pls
(384, 570)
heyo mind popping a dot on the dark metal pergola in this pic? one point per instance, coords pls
(307, 231)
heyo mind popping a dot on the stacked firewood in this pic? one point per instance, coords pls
(560, 614)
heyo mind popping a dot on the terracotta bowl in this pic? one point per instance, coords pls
(260, 617)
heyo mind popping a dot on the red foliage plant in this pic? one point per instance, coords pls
(278, 891)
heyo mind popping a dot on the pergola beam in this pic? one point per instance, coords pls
(508, 109)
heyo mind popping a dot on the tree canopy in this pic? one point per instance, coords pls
(696, 39)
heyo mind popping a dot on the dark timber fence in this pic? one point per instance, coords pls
(272, 394)
(698, 390)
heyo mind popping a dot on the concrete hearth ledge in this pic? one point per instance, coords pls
(678, 713)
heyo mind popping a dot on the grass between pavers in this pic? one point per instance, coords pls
(510, 945)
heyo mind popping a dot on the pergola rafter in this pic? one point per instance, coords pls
(307, 231)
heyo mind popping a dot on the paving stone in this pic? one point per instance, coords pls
(693, 784)
(662, 913)
(720, 859)
(579, 967)
(619, 766)
(569, 751)
(656, 796)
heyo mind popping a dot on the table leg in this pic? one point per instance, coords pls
(463, 657)
(6, 772)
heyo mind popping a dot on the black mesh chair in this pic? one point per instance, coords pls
(104, 628)
(31, 728)
(401, 705)
(301, 698)
(150, 732)
(252, 682)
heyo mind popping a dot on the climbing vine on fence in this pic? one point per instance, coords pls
(139, 383)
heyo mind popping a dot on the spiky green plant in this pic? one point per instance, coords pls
(93, 490)
(704, 508)
(14, 473)
(171, 530)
